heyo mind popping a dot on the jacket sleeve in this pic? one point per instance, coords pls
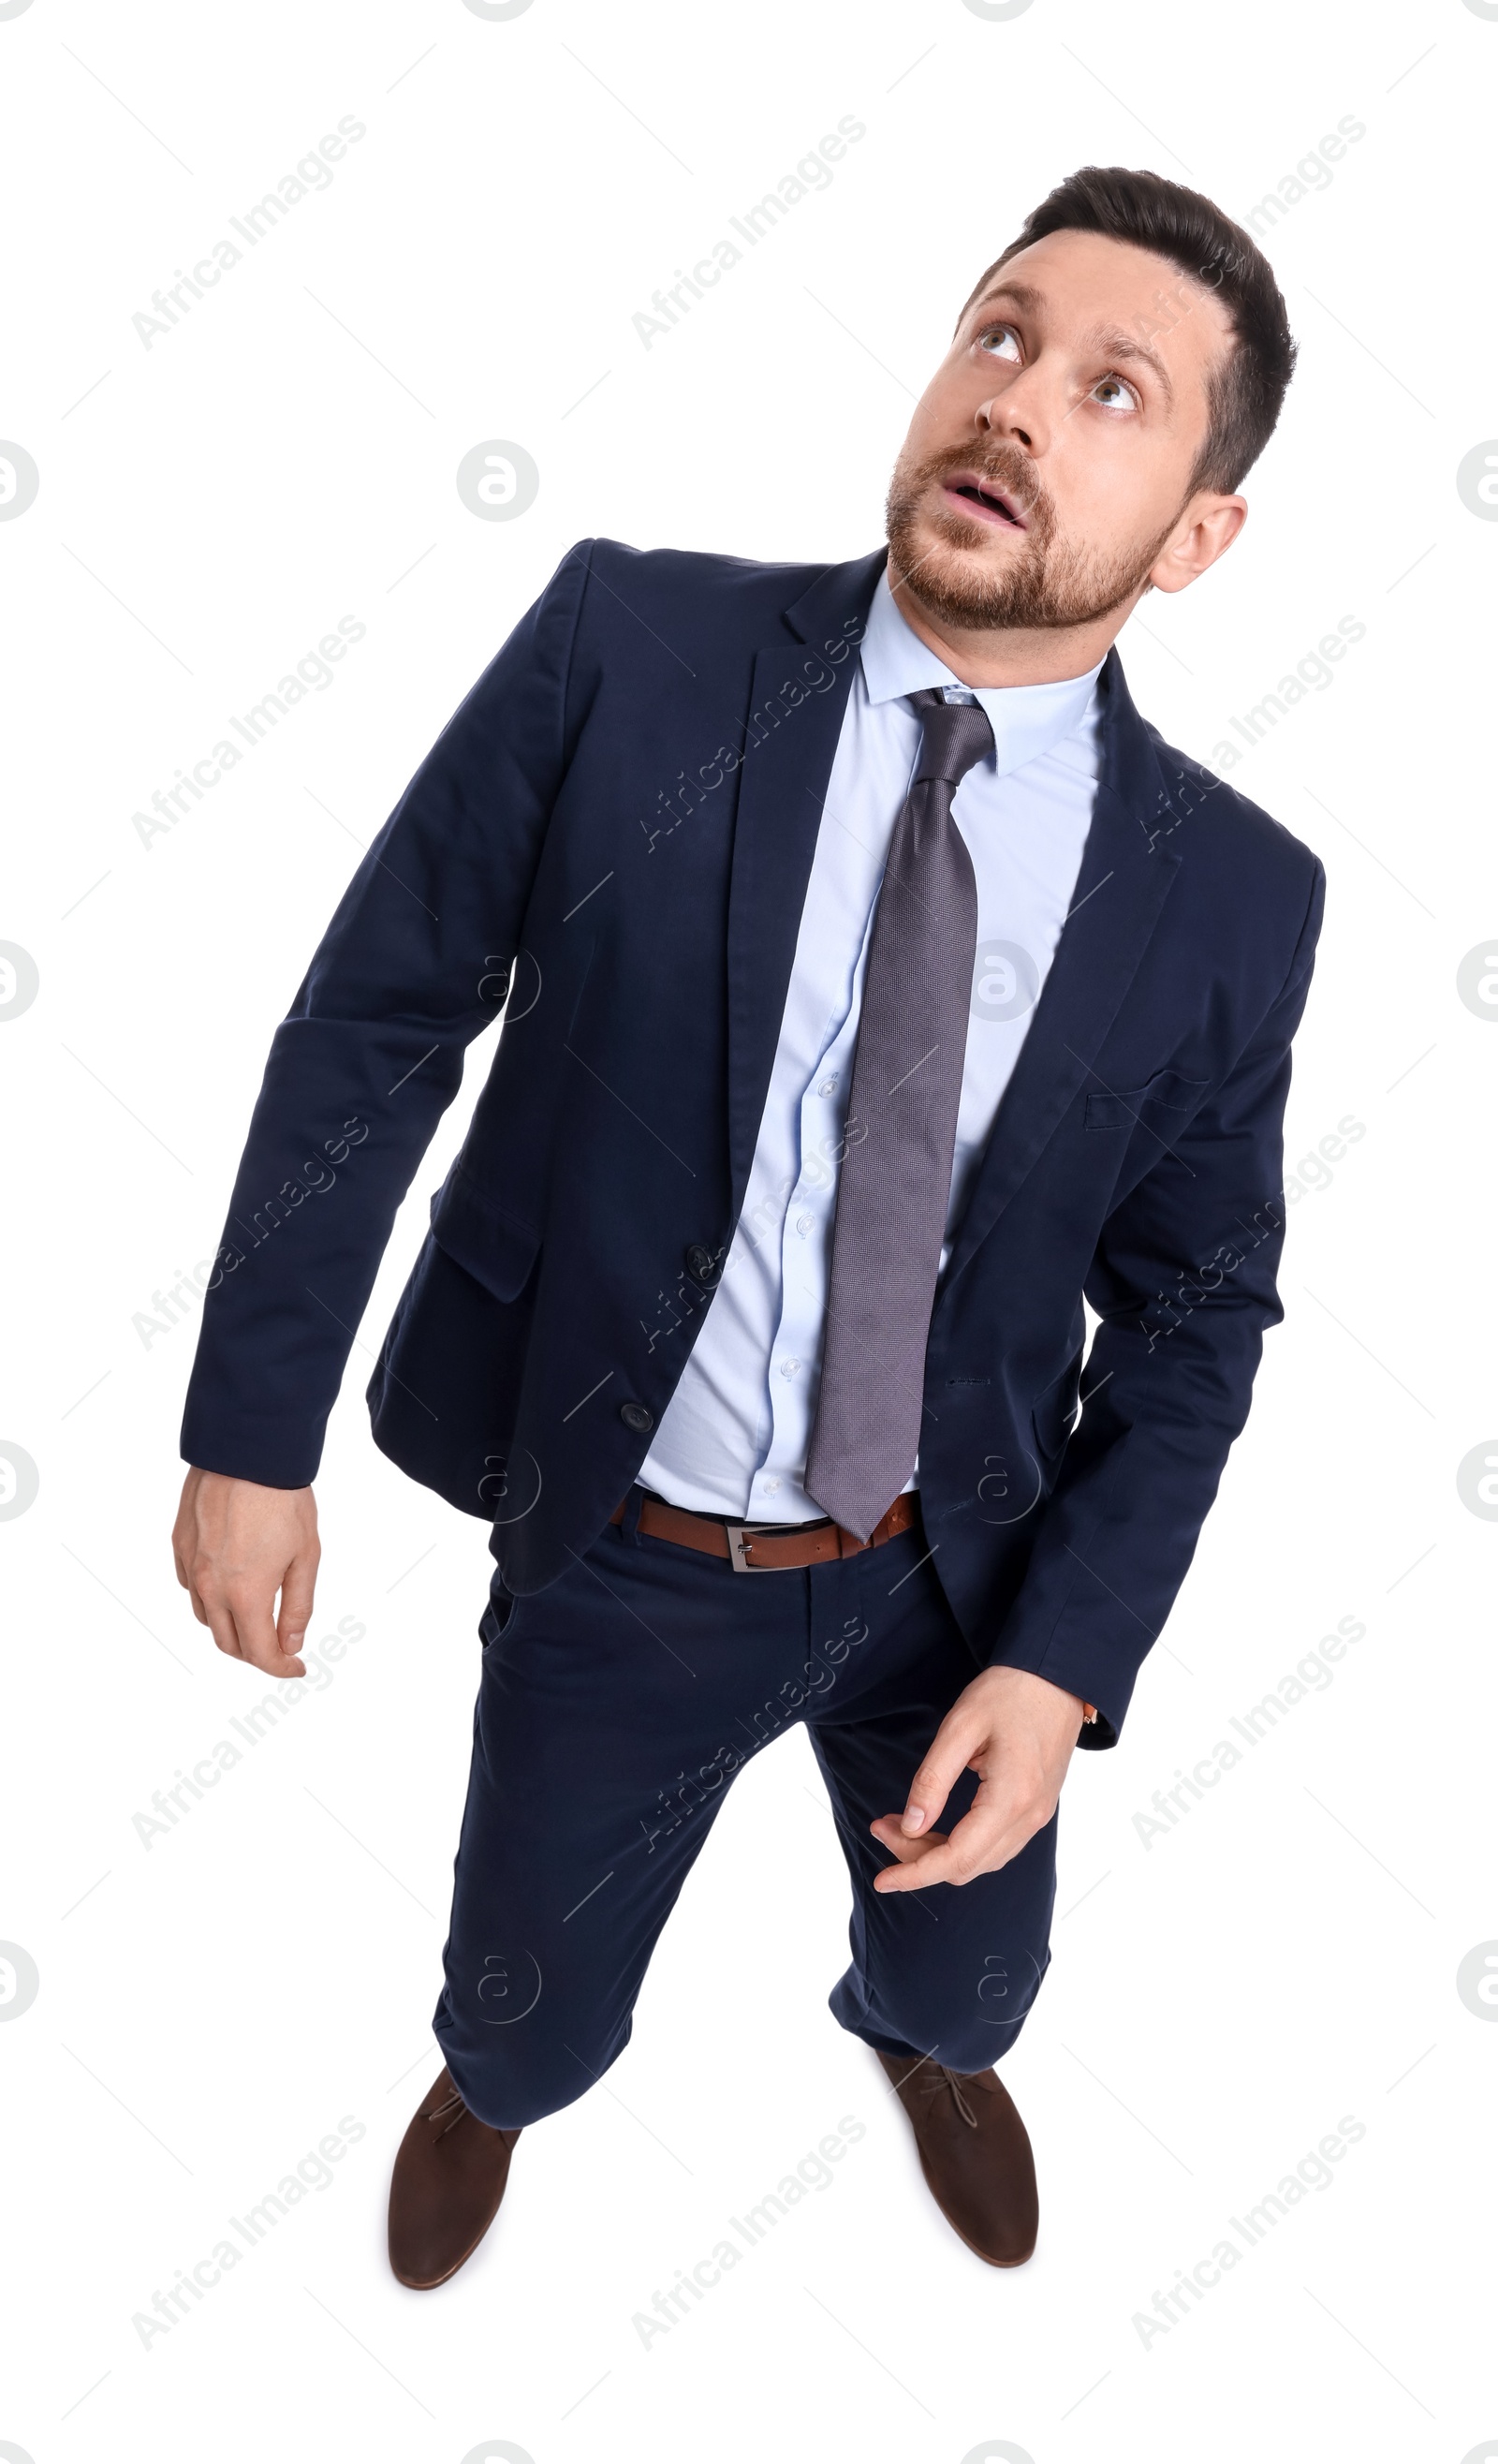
(412, 967)
(1183, 1283)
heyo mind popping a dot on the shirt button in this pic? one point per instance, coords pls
(788, 1367)
(804, 1224)
(829, 1085)
(637, 1417)
(770, 1487)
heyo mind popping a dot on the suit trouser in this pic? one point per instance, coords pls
(613, 1709)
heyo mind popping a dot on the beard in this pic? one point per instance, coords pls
(1046, 582)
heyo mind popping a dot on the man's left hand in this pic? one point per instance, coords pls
(1017, 1732)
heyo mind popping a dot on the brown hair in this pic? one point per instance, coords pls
(1246, 389)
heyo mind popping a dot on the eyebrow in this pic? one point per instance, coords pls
(1112, 341)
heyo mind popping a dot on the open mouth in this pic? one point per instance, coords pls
(982, 497)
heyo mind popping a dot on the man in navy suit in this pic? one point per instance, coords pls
(877, 986)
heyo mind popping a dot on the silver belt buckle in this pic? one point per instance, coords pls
(738, 1534)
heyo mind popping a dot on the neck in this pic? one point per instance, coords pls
(1015, 654)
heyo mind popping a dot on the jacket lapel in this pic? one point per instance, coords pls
(1126, 872)
(799, 694)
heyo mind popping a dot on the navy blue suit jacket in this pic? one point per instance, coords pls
(616, 829)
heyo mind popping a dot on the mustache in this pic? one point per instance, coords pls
(1006, 465)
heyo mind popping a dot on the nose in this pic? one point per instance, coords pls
(1003, 420)
(1017, 413)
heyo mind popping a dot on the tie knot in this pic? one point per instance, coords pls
(954, 735)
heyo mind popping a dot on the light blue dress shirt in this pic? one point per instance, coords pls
(733, 1439)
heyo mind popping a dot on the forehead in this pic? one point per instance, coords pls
(1078, 283)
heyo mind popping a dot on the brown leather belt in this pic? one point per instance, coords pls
(766, 1548)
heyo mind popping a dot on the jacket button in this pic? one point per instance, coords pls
(637, 1417)
(703, 1266)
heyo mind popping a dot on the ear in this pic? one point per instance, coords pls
(1206, 530)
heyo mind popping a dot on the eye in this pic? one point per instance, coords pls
(1000, 341)
(1114, 394)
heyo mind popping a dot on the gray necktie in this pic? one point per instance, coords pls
(900, 1135)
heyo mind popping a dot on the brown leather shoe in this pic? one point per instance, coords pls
(449, 2177)
(975, 2154)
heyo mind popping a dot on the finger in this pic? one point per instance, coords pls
(955, 1741)
(978, 1844)
(299, 1585)
(184, 1576)
(887, 1832)
(219, 1618)
(944, 1865)
(258, 1643)
(184, 1530)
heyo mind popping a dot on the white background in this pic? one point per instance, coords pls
(211, 2004)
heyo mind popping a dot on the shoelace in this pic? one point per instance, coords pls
(452, 2104)
(931, 2076)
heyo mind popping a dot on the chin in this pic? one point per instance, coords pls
(1003, 581)
(960, 572)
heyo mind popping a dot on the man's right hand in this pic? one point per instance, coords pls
(236, 1544)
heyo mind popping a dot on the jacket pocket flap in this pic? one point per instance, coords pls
(1166, 1092)
(489, 1243)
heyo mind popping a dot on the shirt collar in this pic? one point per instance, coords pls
(1027, 720)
